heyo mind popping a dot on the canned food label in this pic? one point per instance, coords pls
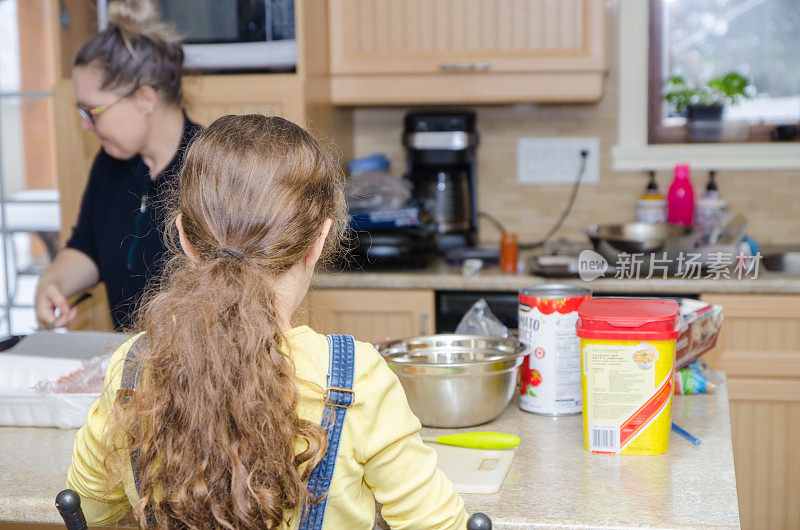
(623, 396)
(550, 377)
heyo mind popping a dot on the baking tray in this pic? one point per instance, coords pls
(46, 356)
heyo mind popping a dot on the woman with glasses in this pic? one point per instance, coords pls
(127, 86)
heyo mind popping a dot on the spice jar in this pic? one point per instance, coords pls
(509, 250)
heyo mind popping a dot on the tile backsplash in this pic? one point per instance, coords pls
(769, 199)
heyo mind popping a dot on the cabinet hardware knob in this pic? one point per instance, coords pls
(465, 66)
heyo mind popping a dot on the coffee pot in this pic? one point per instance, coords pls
(441, 167)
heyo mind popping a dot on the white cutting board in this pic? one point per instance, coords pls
(474, 470)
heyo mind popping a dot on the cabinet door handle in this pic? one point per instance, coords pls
(465, 66)
(423, 323)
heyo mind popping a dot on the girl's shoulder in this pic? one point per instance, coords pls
(309, 351)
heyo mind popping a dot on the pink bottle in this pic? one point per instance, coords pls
(680, 198)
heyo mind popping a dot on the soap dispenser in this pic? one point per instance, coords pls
(680, 198)
(711, 208)
(651, 206)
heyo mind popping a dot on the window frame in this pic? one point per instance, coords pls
(657, 132)
(633, 152)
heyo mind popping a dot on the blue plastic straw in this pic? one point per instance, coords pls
(686, 435)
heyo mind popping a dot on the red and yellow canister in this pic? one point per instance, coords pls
(627, 362)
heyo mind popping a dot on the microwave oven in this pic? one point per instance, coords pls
(229, 34)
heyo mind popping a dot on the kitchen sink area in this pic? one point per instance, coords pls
(782, 258)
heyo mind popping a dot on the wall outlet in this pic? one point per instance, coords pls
(557, 160)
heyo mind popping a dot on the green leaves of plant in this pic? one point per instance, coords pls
(732, 85)
(679, 94)
(729, 89)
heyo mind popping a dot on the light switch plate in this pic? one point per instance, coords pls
(557, 160)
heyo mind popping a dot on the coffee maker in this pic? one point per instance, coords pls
(440, 150)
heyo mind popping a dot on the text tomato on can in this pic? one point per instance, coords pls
(550, 376)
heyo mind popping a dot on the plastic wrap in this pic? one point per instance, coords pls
(480, 320)
(376, 191)
(697, 378)
(88, 379)
(699, 330)
(372, 188)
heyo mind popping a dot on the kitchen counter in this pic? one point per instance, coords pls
(442, 277)
(553, 481)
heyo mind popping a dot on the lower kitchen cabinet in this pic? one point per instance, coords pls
(372, 315)
(759, 348)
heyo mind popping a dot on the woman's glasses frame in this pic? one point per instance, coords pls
(91, 114)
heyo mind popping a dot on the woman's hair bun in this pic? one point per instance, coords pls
(132, 14)
(136, 49)
(140, 17)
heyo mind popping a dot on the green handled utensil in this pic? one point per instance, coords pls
(477, 440)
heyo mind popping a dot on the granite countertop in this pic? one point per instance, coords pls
(443, 277)
(553, 481)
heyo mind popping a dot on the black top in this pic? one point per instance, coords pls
(120, 225)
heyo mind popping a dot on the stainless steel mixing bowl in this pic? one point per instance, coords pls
(455, 380)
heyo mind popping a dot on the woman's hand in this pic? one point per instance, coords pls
(52, 308)
(70, 273)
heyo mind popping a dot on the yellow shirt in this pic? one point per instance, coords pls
(381, 455)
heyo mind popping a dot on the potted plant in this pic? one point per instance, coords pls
(703, 105)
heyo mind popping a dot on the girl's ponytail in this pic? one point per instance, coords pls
(215, 422)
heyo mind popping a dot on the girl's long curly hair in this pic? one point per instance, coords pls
(220, 442)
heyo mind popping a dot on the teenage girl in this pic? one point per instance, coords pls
(212, 419)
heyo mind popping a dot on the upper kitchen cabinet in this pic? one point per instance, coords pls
(466, 51)
(210, 96)
(301, 96)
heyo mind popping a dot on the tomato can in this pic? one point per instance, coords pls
(628, 359)
(550, 375)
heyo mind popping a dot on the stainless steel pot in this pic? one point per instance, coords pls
(455, 380)
(640, 238)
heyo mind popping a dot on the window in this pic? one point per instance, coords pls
(703, 39)
(29, 212)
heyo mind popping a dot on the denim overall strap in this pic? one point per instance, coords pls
(130, 378)
(338, 398)
(130, 370)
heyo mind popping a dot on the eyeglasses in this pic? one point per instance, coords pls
(91, 114)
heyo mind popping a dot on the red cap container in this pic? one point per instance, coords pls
(628, 319)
